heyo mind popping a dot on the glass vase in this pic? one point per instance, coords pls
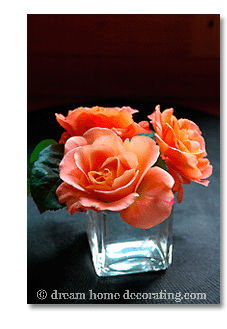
(118, 248)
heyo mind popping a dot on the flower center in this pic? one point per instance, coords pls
(102, 177)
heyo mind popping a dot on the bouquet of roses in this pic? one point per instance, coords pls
(106, 161)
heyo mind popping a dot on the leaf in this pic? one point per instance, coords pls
(161, 163)
(151, 135)
(39, 147)
(44, 178)
(34, 156)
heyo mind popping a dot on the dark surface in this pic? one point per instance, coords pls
(58, 251)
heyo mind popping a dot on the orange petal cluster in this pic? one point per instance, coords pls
(182, 147)
(100, 171)
(120, 120)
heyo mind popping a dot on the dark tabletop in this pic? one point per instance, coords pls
(59, 257)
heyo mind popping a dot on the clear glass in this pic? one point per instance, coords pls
(118, 248)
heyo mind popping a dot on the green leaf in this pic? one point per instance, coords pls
(39, 147)
(151, 135)
(161, 163)
(34, 156)
(44, 178)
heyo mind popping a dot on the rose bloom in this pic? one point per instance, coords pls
(183, 149)
(118, 119)
(102, 172)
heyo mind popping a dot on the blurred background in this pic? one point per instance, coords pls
(121, 60)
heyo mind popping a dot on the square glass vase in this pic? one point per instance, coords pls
(118, 248)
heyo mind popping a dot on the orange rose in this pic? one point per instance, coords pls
(102, 172)
(118, 119)
(183, 149)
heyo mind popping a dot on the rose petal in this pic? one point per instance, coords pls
(123, 179)
(155, 200)
(142, 145)
(70, 173)
(189, 125)
(103, 136)
(132, 130)
(115, 142)
(163, 146)
(169, 136)
(145, 125)
(128, 160)
(73, 143)
(206, 171)
(167, 116)
(63, 122)
(113, 163)
(128, 109)
(177, 187)
(184, 162)
(64, 137)
(96, 204)
(119, 193)
(68, 194)
(99, 153)
(94, 133)
(202, 182)
(155, 119)
(195, 136)
(82, 157)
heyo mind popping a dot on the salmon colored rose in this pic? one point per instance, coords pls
(102, 172)
(183, 149)
(118, 119)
